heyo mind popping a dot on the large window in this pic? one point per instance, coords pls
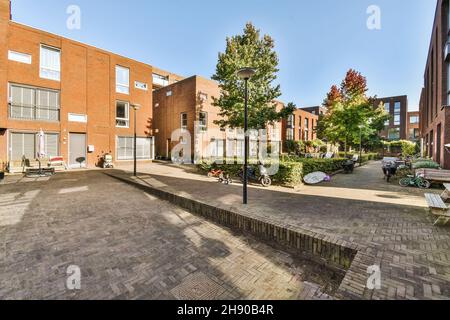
(26, 145)
(290, 134)
(387, 108)
(291, 121)
(122, 80)
(184, 121)
(125, 148)
(122, 114)
(50, 63)
(397, 114)
(28, 103)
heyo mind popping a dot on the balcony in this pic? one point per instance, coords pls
(160, 81)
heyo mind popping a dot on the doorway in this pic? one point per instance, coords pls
(77, 150)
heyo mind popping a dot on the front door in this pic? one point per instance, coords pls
(77, 150)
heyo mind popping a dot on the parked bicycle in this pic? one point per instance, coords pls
(412, 181)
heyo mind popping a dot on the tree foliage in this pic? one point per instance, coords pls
(249, 50)
(351, 113)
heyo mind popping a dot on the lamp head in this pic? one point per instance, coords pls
(246, 73)
(136, 107)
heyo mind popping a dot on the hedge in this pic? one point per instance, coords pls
(426, 164)
(290, 173)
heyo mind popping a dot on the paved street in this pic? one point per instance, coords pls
(130, 245)
(362, 208)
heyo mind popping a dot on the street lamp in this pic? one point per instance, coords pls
(245, 74)
(136, 107)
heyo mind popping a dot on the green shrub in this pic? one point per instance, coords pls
(403, 173)
(291, 169)
(426, 165)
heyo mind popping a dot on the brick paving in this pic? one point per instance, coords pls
(389, 224)
(130, 245)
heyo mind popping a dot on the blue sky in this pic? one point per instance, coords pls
(317, 41)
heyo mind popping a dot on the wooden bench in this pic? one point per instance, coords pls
(438, 208)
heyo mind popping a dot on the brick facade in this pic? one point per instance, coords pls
(413, 123)
(397, 128)
(87, 89)
(300, 127)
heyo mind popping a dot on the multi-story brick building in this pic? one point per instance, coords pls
(79, 95)
(300, 126)
(435, 96)
(186, 103)
(397, 126)
(413, 123)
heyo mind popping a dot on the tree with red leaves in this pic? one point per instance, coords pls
(351, 113)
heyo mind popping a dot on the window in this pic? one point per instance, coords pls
(74, 117)
(306, 123)
(290, 134)
(26, 144)
(413, 134)
(397, 114)
(387, 108)
(414, 119)
(19, 57)
(141, 85)
(50, 67)
(122, 80)
(30, 103)
(394, 134)
(125, 147)
(203, 119)
(122, 114)
(291, 121)
(184, 121)
(169, 93)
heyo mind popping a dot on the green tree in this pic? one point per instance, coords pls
(351, 113)
(249, 50)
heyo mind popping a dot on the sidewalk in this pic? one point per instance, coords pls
(388, 225)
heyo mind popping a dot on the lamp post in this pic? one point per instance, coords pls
(136, 107)
(360, 144)
(245, 74)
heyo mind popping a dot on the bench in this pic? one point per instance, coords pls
(31, 172)
(438, 208)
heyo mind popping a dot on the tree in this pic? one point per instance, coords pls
(351, 113)
(249, 50)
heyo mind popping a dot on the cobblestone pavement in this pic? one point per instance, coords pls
(130, 245)
(391, 222)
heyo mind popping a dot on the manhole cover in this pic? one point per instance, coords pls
(197, 287)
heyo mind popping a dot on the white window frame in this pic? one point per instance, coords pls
(127, 112)
(19, 57)
(124, 85)
(202, 127)
(141, 85)
(46, 47)
(182, 126)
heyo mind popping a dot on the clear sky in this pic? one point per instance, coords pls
(317, 41)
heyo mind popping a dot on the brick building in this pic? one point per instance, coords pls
(434, 102)
(300, 126)
(397, 126)
(183, 104)
(79, 95)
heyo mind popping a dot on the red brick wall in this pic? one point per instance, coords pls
(87, 86)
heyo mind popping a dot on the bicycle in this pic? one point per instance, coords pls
(412, 181)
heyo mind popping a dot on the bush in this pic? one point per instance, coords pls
(291, 169)
(403, 173)
(427, 164)
(407, 148)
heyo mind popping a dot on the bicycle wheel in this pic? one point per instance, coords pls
(423, 184)
(405, 182)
